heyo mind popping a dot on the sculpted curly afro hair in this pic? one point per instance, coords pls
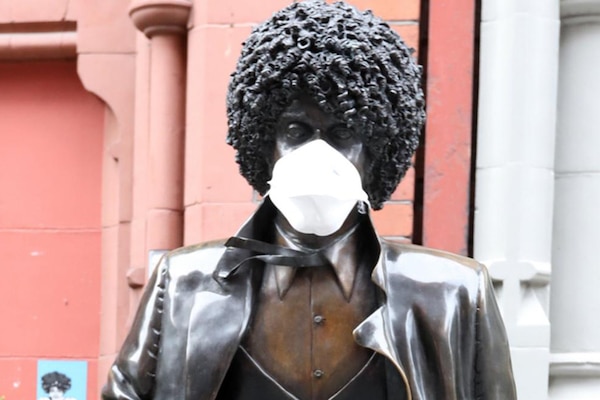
(56, 379)
(352, 64)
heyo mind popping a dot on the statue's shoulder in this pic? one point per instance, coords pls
(424, 264)
(191, 260)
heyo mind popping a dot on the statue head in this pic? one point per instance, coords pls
(352, 65)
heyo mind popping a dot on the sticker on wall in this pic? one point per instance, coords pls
(61, 380)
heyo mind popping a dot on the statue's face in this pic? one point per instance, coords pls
(304, 121)
(55, 393)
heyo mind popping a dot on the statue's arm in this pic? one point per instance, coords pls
(493, 377)
(132, 376)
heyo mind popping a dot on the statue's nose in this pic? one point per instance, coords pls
(324, 136)
(318, 134)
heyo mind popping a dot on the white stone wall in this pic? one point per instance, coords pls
(537, 214)
(575, 301)
(515, 174)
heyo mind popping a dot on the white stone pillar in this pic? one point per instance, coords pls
(514, 174)
(575, 301)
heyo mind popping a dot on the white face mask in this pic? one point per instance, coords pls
(315, 188)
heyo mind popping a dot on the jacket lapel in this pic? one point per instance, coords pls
(218, 321)
(221, 312)
(375, 332)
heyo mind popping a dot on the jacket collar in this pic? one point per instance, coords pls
(258, 226)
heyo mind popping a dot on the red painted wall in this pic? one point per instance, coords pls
(51, 133)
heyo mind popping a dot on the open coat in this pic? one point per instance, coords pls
(438, 325)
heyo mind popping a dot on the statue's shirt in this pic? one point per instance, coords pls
(301, 333)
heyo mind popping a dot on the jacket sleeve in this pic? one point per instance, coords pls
(493, 370)
(132, 376)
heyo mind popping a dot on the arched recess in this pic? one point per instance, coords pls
(111, 78)
(106, 65)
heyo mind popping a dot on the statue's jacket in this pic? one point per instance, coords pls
(438, 325)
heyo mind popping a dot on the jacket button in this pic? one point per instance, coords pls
(317, 373)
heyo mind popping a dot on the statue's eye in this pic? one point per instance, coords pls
(297, 131)
(341, 133)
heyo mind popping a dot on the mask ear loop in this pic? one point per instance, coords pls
(362, 207)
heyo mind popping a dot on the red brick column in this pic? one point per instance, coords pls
(164, 22)
(447, 168)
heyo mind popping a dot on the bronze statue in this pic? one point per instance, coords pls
(306, 301)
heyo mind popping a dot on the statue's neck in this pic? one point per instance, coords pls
(313, 242)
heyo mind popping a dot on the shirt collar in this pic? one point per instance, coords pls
(343, 263)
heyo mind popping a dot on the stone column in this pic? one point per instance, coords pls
(164, 22)
(514, 174)
(575, 301)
